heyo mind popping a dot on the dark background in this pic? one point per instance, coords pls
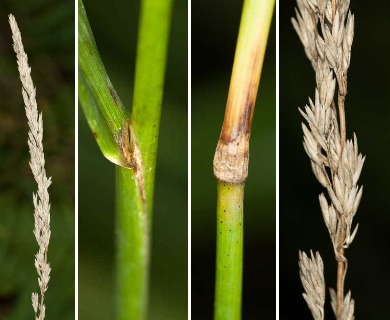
(367, 112)
(47, 29)
(115, 26)
(214, 35)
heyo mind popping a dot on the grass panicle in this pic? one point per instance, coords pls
(37, 164)
(326, 30)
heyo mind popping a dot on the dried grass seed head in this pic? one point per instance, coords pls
(37, 164)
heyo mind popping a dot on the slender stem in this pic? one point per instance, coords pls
(343, 128)
(341, 270)
(232, 155)
(132, 234)
(340, 285)
(135, 187)
(229, 252)
(130, 142)
(149, 84)
(342, 261)
(342, 82)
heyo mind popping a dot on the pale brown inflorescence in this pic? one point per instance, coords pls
(41, 198)
(326, 30)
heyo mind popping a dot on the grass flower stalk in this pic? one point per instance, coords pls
(232, 155)
(37, 164)
(326, 30)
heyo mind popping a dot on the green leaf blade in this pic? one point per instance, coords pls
(101, 104)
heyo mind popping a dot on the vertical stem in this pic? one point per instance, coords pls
(340, 285)
(342, 262)
(229, 252)
(135, 199)
(341, 270)
(132, 233)
(232, 154)
(342, 82)
(343, 129)
(152, 50)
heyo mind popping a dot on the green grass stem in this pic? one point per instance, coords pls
(152, 48)
(109, 120)
(232, 155)
(132, 233)
(230, 233)
(134, 225)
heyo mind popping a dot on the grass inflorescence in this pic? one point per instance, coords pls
(326, 30)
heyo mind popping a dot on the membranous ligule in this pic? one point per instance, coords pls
(127, 143)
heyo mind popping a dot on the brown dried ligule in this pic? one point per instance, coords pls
(127, 144)
(132, 155)
(231, 160)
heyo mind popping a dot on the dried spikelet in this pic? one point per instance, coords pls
(348, 308)
(311, 270)
(37, 164)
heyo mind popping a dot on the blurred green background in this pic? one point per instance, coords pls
(214, 34)
(47, 29)
(367, 114)
(115, 29)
